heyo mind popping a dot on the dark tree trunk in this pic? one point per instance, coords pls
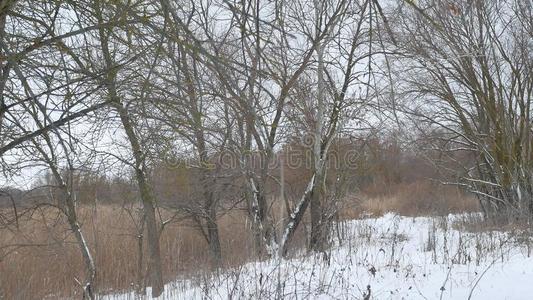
(214, 239)
(318, 225)
(148, 202)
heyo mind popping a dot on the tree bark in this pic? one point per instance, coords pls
(295, 218)
(145, 190)
(317, 233)
(214, 239)
(148, 202)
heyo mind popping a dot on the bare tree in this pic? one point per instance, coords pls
(474, 74)
(109, 43)
(333, 107)
(270, 75)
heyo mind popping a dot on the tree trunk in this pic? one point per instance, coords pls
(4, 66)
(148, 202)
(214, 239)
(147, 197)
(295, 218)
(210, 201)
(210, 215)
(141, 285)
(154, 252)
(88, 288)
(207, 180)
(317, 231)
(263, 229)
(66, 202)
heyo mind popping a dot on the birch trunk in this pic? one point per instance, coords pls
(317, 238)
(67, 203)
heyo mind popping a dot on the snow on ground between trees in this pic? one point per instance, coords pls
(395, 257)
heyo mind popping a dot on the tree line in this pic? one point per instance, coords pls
(127, 86)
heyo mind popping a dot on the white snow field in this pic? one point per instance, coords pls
(395, 257)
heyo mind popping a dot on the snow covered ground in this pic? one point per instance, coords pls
(394, 257)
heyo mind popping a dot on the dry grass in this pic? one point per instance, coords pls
(420, 198)
(511, 223)
(45, 263)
